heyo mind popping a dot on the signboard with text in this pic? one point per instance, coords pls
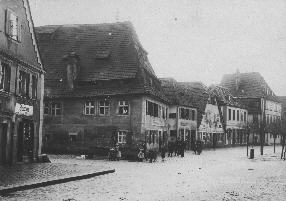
(26, 110)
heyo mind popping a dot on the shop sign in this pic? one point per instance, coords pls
(26, 110)
(185, 124)
(157, 123)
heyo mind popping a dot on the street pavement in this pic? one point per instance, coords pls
(21, 176)
(224, 174)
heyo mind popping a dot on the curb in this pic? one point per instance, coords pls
(6, 191)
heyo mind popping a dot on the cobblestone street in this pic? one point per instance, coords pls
(223, 174)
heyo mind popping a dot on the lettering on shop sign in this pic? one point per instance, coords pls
(185, 124)
(26, 110)
(157, 123)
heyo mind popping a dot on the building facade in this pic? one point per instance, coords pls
(224, 121)
(183, 114)
(21, 85)
(100, 90)
(264, 108)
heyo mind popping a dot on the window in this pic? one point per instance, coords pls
(237, 115)
(172, 115)
(56, 109)
(193, 115)
(47, 108)
(152, 109)
(233, 115)
(164, 112)
(34, 86)
(160, 111)
(104, 108)
(72, 138)
(13, 29)
(229, 114)
(5, 74)
(123, 108)
(24, 81)
(244, 116)
(185, 113)
(121, 137)
(89, 108)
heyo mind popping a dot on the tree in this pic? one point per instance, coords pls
(283, 135)
(249, 127)
(274, 128)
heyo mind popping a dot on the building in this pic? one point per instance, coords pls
(100, 90)
(21, 85)
(283, 106)
(182, 111)
(233, 116)
(211, 130)
(199, 97)
(264, 108)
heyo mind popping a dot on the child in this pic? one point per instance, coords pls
(118, 152)
(141, 155)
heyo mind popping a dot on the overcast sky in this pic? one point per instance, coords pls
(191, 40)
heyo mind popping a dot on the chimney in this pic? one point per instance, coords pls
(72, 68)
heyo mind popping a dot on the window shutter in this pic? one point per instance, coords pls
(7, 78)
(2, 76)
(19, 30)
(8, 23)
(30, 85)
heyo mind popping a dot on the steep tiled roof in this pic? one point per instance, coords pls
(224, 96)
(106, 52)
(200, 97)
(248, 85)
(191, 94)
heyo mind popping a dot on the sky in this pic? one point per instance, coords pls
(191, 40)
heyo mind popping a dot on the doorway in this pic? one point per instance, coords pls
(25, 140)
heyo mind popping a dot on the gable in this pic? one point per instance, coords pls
(25, 47)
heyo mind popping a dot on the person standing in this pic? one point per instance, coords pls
(118, 152)
(163, 152)
(182, 148)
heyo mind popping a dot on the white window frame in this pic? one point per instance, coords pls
(123, 104)
(88, 106)
(55, 107)
(121, 136)
(105, 107)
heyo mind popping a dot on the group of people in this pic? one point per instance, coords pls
(174, 148)
(114, 153)
(177, 148)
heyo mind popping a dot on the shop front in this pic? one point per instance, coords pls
(26, 149)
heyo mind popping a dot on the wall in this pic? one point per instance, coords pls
(235, 124)
(150, 122)
(92, 130)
